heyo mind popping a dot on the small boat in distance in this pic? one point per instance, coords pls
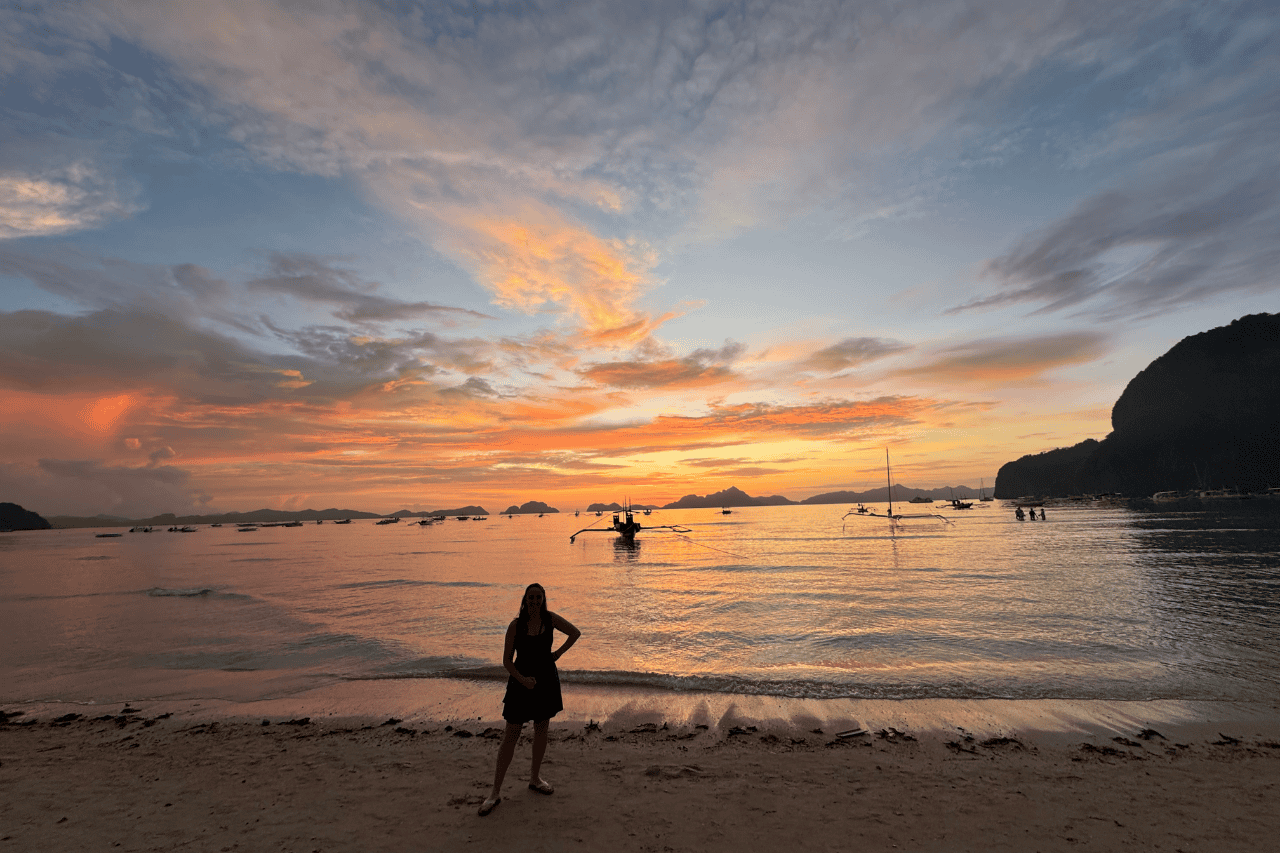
(921, 499)
(724, 511)
(344, 521)
(983, 497)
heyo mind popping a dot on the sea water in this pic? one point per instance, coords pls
(794, 602)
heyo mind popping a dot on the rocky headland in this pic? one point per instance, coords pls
(14, 517)
(1204, 415)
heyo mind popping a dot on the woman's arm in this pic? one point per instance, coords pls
(565, 627)
(509, 657)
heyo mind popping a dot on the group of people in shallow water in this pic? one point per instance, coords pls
(533, 687)
(1020, 516)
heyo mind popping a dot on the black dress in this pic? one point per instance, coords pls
(533, 658)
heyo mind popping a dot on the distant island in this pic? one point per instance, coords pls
(440, 513)
(900, 493)
(258, 516)
(735, 497)
(730, 497)
(14, 517)
(168, 519)
(1203, 415)
(530, 507)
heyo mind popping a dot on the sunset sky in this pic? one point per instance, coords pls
(394, 255)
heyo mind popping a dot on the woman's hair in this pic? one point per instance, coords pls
(522, 621)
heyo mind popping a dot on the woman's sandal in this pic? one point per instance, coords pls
(542, 787)
(489, 805)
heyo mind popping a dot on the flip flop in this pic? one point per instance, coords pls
(489, 805)
(542, 787)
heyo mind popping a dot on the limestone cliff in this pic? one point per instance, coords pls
(1203, 415)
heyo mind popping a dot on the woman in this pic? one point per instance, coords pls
(533, 689)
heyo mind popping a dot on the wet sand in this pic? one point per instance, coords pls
(928, 775)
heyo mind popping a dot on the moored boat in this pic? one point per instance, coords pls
(628, 528)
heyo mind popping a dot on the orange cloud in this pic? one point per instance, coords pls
(1010, 360)
(658, 374)
(102, 414)
(540, 258)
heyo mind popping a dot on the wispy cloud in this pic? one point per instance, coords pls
(70, 199)
(1006, 361)
(852, 352)
(515, 140)
(1194, 214)
(700, 368)
(312, 280)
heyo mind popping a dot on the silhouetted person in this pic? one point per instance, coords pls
(1019, 514)
(533, 688)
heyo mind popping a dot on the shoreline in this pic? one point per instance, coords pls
(295, 775)
(444, 701)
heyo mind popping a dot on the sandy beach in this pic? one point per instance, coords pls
(1057, 776)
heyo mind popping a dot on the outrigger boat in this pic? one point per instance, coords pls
(893, 517)
(628, 528)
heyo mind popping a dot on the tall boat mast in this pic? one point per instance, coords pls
(888, 479)
(893, 519)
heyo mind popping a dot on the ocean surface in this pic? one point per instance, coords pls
(1093, 603)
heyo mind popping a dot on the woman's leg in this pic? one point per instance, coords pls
(539, 749)
(505, 752)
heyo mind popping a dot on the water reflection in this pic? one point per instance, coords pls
(626, 550)
(1214, 583)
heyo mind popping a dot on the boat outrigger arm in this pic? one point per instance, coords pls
(628, 529)
(891, 515)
